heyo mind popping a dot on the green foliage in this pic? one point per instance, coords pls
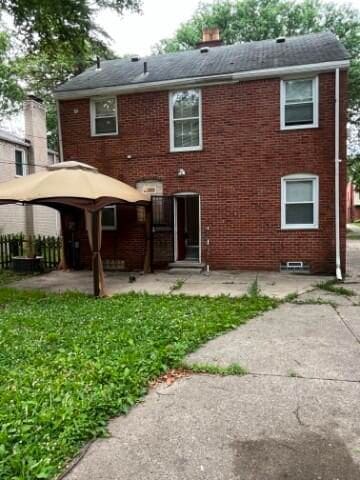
(54, 40)
(232, 369)
(11, 93)
(8, 276)
(70, 362)
(250, 20)
(333, 287)
(177, 285)
(254, 289)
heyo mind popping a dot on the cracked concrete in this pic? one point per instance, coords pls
(303, 340)
(216, 283)
(233, 428)
(295, 416)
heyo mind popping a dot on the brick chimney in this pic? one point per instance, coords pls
(210, 37)
(35, 132)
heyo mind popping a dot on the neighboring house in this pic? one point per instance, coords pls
(236, 145)
(352, 203)
(19, 157)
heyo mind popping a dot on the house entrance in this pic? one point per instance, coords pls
(187, 228)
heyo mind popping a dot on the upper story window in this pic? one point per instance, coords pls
(20, 163)
(103, 113)
(299, 103)
(185, 121)
(300, 201)
(109, 218)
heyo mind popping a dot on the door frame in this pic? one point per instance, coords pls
(175, 232)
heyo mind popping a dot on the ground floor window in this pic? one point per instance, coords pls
(299, 201)
(109, 218)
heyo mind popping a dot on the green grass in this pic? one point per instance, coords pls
(70, 362)
(333, 287)
(232, 369)
(8, 276)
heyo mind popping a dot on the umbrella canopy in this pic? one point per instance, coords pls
(78, 185)
(70, 183)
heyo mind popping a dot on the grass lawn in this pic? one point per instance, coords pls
(8, 276)
(69, 362)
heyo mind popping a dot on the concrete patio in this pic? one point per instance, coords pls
(215, 283)
(233, 283)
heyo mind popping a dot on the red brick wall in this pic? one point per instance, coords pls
(238, 173)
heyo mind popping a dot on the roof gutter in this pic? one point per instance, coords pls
(337, 182)
(205, 80)
(61, 151)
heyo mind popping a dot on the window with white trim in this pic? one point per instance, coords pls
(20, 163)
(104, 116)
(109, 218)
(357, 198)
(299, 103)
(185, 120)
(300, 202)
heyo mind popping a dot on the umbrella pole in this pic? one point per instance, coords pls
(95, 260)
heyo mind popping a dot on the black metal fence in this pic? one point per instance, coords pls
(49, 248)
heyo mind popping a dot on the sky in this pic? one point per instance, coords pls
(137, 33)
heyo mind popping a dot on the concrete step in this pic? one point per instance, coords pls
(184, 270)
(186, 267)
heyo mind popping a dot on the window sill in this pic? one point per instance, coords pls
(188, 149)
(299, 227)
(298, 127)
(113, 134)
(109, 229)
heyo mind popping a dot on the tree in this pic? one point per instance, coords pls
(250, 20)
(55, 39)
(10, 90)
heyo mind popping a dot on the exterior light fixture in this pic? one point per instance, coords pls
(181, 172)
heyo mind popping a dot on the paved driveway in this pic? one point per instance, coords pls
(295, 415)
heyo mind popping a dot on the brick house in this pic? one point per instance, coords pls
(20, 156)
(236, 145)
(352, 203)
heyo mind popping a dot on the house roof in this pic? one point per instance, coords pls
(242, 57)
(11, 138)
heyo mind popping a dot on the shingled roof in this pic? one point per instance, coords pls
(268, 54)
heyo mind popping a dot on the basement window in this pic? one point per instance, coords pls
(185, 121)
(103, 113)
(299, 103)
(299, 202)
(109, 218)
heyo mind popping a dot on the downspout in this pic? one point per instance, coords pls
(61, 152)
(337, 183)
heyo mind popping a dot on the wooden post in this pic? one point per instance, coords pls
(95, 252)
(148, 267)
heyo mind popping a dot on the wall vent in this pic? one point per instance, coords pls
(295, 266)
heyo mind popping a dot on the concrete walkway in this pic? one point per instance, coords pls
(295, 415)
(216, 283)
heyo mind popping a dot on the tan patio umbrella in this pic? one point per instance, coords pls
(78, 185)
